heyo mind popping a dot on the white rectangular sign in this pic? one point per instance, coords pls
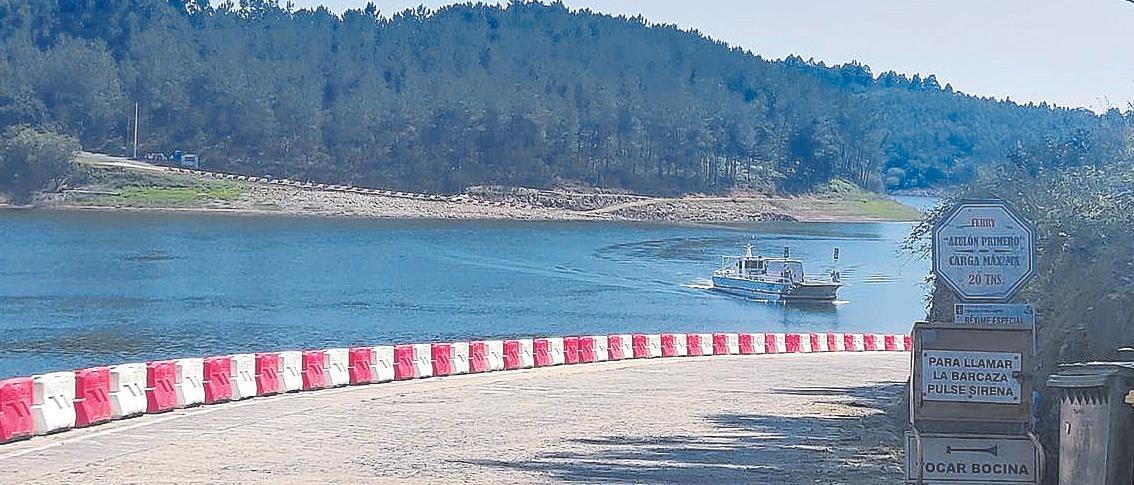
(994, 315)
(971, 459)
(970, 376)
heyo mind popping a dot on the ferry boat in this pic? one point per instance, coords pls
(773, 279)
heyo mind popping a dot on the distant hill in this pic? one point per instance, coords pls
(528, 94)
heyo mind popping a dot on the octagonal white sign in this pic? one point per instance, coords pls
(984, 250)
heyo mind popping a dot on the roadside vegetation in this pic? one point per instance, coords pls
(437, 101)
(32, 160)
(120, 187)
(1083, 210)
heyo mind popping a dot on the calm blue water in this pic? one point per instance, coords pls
(91, 288)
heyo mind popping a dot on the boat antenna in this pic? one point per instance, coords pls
(787, 252)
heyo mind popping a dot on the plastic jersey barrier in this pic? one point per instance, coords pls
(908, 342)
(853, 342)
(674, 345)
(291, 370)
(403, 362)
(495, 350)
(478, 357)
(653, 343)
(586, 349)
(128, 390)
(511, 354)
(791, 341)
(877, 341)
(359, 365)
(641, 348)
(423, 360)
(726, 344)
(542, 352)
(818, 342)
(570, 350)
(614, 347)
(188, 382)
(53, 405)
(382, 367)
(217, 374)
(161, 395)
(92, 396)
(314, 375)
(335, 366)
(442, 359)
(602, 347)
(527, 353)
(555, 349)
(16, 420)
(243, 376)
(775, 343)
(747, 343)
(626, 346)
(459, 356)
(835, 342)
(268, 368)
(706, 341)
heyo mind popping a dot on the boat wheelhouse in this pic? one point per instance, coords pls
(773, 279)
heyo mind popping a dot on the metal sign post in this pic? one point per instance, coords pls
(971, 386)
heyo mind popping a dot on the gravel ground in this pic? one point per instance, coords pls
(802, 418)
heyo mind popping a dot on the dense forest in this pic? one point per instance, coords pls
(526, 94)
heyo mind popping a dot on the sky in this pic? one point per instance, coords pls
(1076, 53)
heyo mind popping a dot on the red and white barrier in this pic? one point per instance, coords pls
(314, 370)
(16, 420)
(359, 365)
(423, 360)
(161, 395)
(674, 345)
(495, 350)
(127, 390)
(188, 382)
(53, 404)
(337, 368)
(442, 359)
(555, 350)
(243, 376)
(268, 367)
(92, 396)
(601, 347)
(478, 357)
(217, 378)
(382, 363)
(570, 350)
(459, 355)
(58, 401)
(291, 370)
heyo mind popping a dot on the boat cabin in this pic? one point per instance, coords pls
(751, 265)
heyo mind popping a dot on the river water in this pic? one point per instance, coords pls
(82, 289)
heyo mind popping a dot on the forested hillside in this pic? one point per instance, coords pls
(528, 94)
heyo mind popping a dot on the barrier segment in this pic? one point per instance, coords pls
(442, 356)
(217, 372)
(161, 395)
(586, 349)
(423, 360)
(128, 390)
(291, 370)
(693, 344)
(382, 363)
(314, 373)
(478, 357)
(268, 367)
(460, 357)
(673, 345)
(570, 350)
(527, 353)
(243, 376)
(854, 342)
(614, 348)
(625, 346)
(404, 363)
(188, 382)
(512, 354)
(775, 343)
(706, 340)
(337, 367)
(542, 352)
(818, 342)
(495, 353)
(835, 342)
(92, 397)
(555, 348)
(805, 344)
(726, 344)
(602, 347)
(653, 343)
(641, 347)
(53, 402)
(16, 420)
(360, 365)
(791, 343)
